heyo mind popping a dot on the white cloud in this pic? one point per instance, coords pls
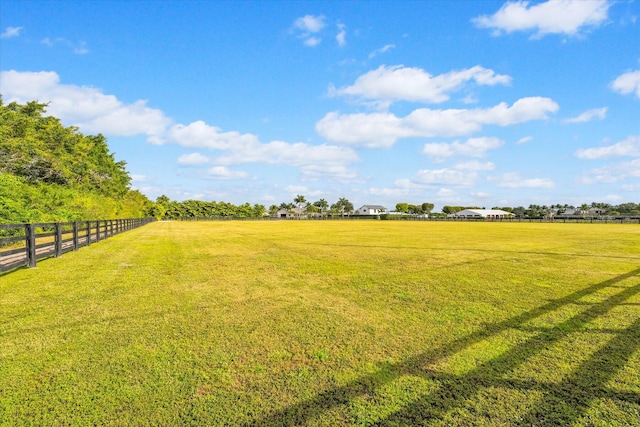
(382, 130)
(524, 140)
(201, 135)
(629, 147)
(341, 37)
(85, 107)
(595, 113)
(222, 172)
(314, 161)
(473, 147)
(399, 83)
(307, 26)
(312, 41)
(310, 23)
(11, 32)
(192, 159)
(513, 180)
(627, 83)
(383, 49)
(552, 17)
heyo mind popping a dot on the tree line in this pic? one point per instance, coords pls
(49, 172)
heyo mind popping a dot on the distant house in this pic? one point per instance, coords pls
(482, 213)
(293, 213)
(371, 210)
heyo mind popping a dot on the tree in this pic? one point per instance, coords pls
(427, 207)
(342, 206)
(402, 207)
(450, 210)
(299, 200)
(322, 205)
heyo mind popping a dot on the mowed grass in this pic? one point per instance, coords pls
(328, 323)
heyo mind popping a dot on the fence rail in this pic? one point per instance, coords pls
(24, 244)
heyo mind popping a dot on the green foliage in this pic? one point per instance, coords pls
(342, 206)
(49, 172)
(164, 208)
(402, 207)
(424, 208)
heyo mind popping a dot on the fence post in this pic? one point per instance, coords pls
(97, 231)
(75, 236)
(58, 239)
(30, 237)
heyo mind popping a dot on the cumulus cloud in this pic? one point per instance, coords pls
(201, 135)
(587, 116)
(222, 172)
(382, 130)
(513, 180)
(192, 159)
(472, 147)
(627, 83)
(630, 147)
(11, 32)
(307, 27)
(85, 107)
(314, 161)
(309, 23)
(399, 83)
(567, 17)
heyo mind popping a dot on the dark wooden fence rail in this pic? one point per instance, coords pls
(27, 243)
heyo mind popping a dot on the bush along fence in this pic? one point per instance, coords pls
(23, 244)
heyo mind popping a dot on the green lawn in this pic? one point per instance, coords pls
(328, 323)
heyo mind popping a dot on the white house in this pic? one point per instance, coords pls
(371, 210)
(482, 213)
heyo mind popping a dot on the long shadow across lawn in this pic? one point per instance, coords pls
(561, 402)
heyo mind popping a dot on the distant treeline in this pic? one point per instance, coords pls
(165, 208)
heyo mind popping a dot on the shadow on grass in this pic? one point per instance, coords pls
(559, 403)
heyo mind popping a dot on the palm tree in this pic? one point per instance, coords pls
(322, 205)
(299, 200)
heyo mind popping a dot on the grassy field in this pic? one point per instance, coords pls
(328, 323)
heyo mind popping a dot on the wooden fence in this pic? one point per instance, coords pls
(23, 244)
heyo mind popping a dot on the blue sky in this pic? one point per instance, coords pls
(485, 103)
